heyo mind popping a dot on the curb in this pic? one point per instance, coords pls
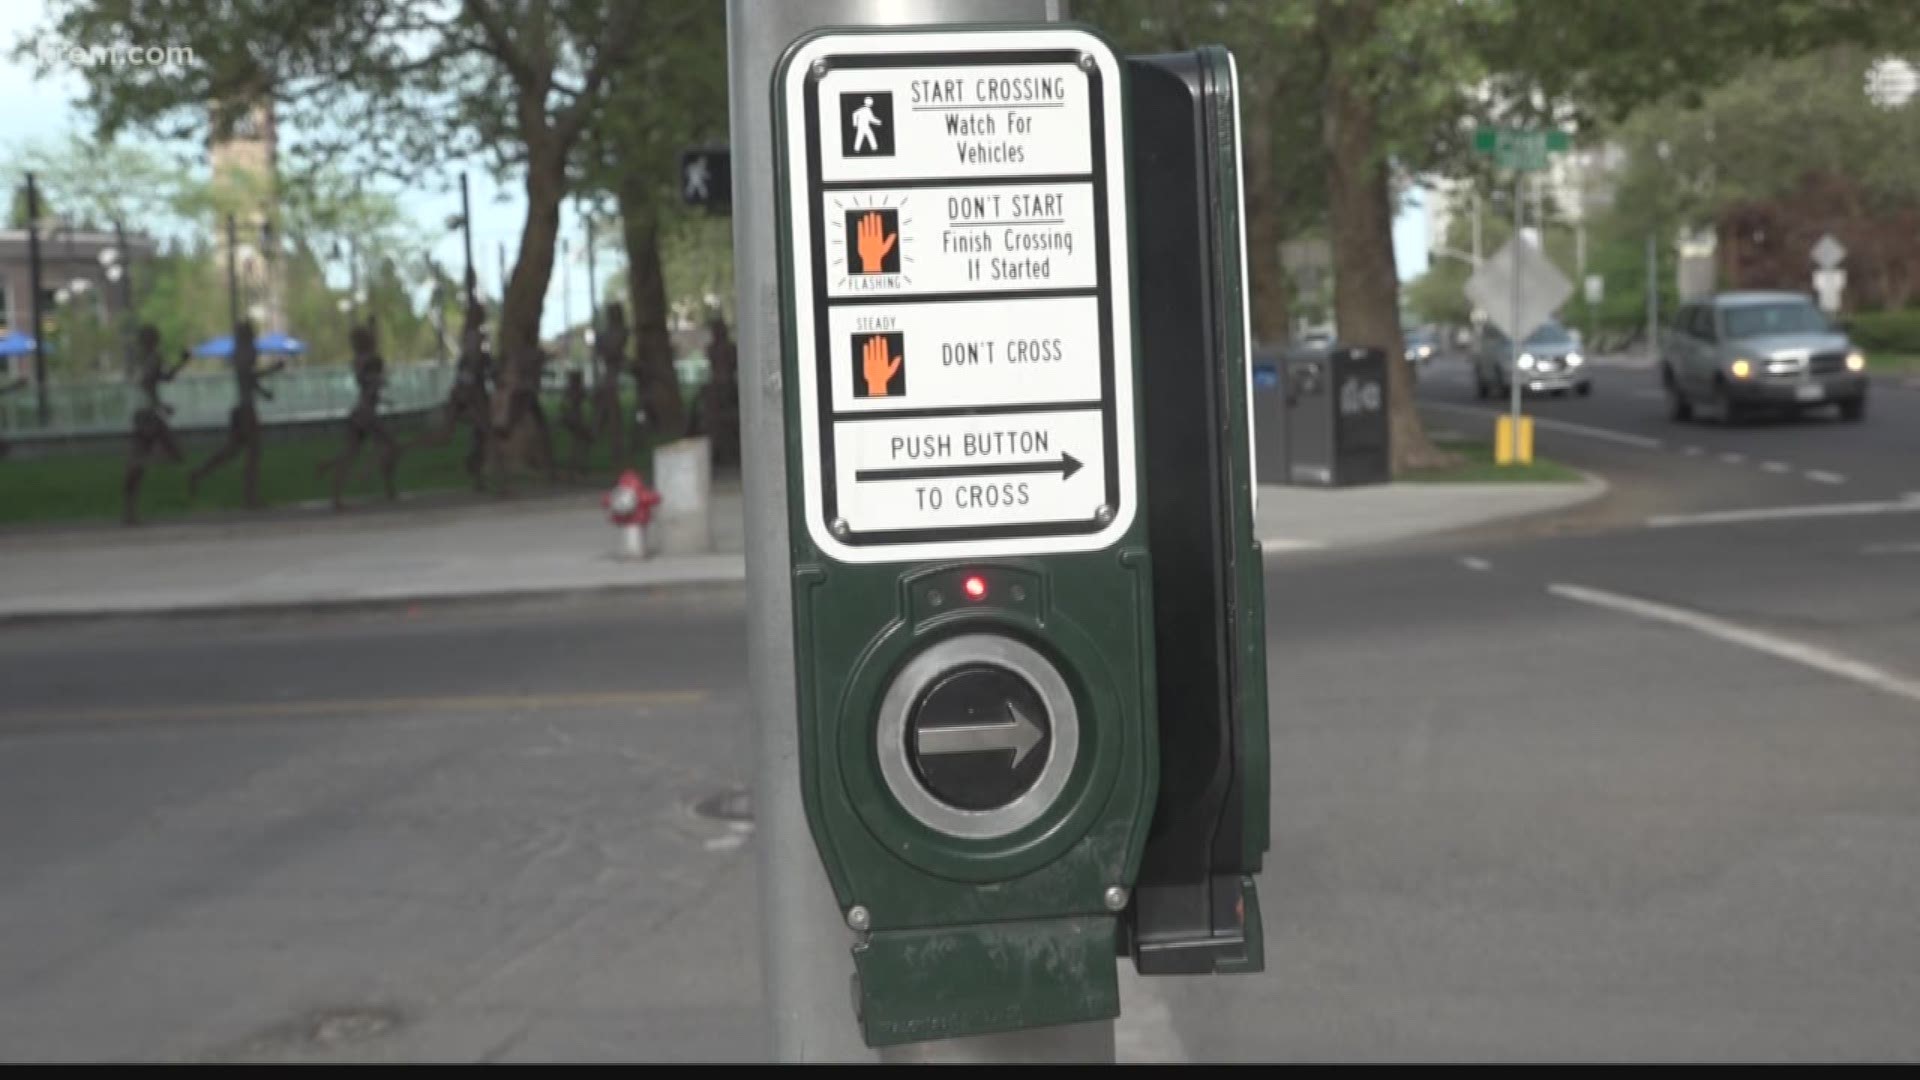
(372, 605)
(1593, 487)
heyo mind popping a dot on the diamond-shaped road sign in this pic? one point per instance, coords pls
(1828, 252)
(1543, 288)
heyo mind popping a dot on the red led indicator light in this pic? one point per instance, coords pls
(975, 587)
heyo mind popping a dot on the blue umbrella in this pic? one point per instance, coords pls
(16, 344)
(274, 342)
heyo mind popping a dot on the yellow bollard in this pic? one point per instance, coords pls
(1505, 451)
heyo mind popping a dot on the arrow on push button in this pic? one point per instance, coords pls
(1066, 466)
(1018, 734)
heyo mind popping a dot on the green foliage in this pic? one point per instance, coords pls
(86, 486)
(1887, 331)
(1476, 466)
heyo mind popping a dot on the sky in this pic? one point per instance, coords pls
(43, 110)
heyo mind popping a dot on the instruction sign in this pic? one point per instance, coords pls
(955, 203)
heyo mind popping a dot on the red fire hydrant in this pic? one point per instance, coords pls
(630, 504)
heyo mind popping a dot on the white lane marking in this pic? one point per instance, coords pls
(1799, 652)
(1819, 476)
(1693, 451)
(1784, 513)
(1145, 1032)
(1891, 549)
(1775, 467)
(1732, 458)
(1474, 562)
(1281, 545)
(1621, 437)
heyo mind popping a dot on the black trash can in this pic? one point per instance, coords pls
(1336, 422)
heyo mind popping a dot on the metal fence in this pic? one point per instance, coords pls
(203, 401)
(103, 407)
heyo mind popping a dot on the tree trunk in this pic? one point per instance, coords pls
(527, 286)
(1267, 291)
(1366, 283)
(659, 387)
(533, 264)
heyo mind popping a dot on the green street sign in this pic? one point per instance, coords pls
(1524, 151)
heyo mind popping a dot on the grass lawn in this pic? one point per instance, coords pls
(86, 486)
(1479, 468)
(1894, 362)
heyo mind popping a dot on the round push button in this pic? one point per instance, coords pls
(979, 737)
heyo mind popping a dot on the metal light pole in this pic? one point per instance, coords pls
(1515, 336)
(466, 232)
(593, 283)
(806, 965)
(233, 274)
(41, 406)
(1653, 296)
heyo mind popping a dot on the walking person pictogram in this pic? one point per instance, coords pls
(868, 122)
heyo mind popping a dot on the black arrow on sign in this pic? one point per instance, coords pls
(1066, 466)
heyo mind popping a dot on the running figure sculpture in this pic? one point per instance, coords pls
(363, 423)
(470, 401)
(17, 384)
(573, 418)
(152, 436)
(610, 347)
(523, 404)
(243, 423)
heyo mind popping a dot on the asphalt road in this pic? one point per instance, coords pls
(1577, 788)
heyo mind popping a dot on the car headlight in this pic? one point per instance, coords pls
(1856, 361)
(1574, 359)
(1742, 368)
(1525, 361)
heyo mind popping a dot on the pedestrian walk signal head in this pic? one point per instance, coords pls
(866, 123)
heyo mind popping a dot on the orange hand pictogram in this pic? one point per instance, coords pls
(877, 367)
(874, 244)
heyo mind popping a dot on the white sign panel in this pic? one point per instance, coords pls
(953, 120)
(1828, 252)
(962, 354)
(1519, 288)
(961, 239)
(962, 325)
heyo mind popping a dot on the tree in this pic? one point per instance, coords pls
(418, 83)
(660, 101)
(1278, 71)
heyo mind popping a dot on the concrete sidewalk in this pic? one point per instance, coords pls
(559, 544)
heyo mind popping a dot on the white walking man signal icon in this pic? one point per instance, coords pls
(864, 122)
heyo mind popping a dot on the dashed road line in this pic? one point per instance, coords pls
(1775, 467)
(1892, 549)
(1832, 663)
(1820, 476)
(1784, 513)
(1474, 562)
(1732, 458)
(1692, 451)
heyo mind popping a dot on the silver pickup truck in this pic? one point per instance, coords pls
(1744, 352)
